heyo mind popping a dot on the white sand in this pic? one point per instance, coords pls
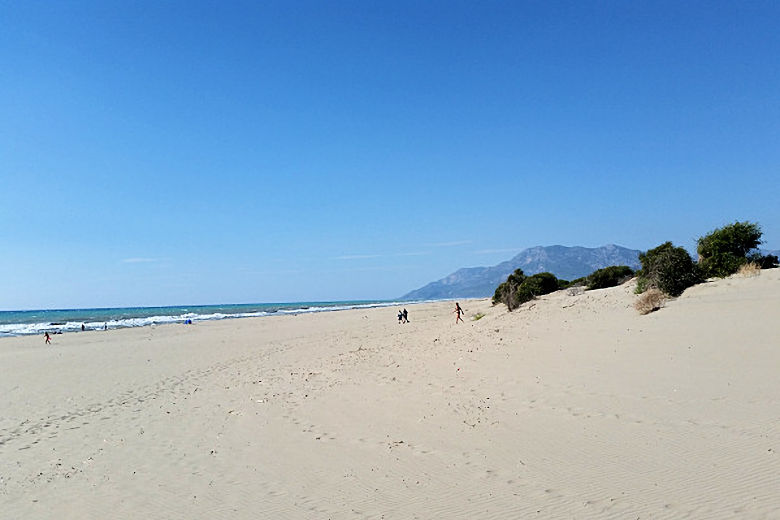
(570, 407)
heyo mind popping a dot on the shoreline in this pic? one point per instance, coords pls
(185, 314)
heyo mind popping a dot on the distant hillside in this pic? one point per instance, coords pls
(564, 262)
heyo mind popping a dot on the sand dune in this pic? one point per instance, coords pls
(573, 406)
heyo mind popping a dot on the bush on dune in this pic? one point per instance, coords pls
(505, 293)
(667, 268)
(723, 251)
(519, 288)
(611, 276)
(763, 261)
(536, 285)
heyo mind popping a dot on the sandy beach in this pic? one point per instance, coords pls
(573, 406)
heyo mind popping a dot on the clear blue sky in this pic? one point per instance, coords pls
(214, 152)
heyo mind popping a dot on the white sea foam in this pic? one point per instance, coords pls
(19, 329)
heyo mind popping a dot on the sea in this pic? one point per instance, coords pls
(19, 323)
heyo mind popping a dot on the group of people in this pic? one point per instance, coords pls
(47, 335)
(403, 316)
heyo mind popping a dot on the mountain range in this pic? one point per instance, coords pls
(564, 262)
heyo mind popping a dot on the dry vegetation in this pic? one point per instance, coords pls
(649, 301)
(749, 270)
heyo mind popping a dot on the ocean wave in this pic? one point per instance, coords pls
(61, 327)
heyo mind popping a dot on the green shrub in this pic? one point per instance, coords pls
(536, 285)
(500, 295)
(763, 261)
(723, 251)
(505, 293)
(519, 288)
(667, 268)
(609, 277)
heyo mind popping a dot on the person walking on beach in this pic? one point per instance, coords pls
(400, 316)
(48, 338)
(406, 316)
(83, 328)
(458, 311)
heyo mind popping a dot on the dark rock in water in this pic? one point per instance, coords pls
(564, 262)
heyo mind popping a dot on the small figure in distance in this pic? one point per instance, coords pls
(83, 328)
(48, 338)
(406, 316)
(105, 326)
(400, 316)
(458, 311)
